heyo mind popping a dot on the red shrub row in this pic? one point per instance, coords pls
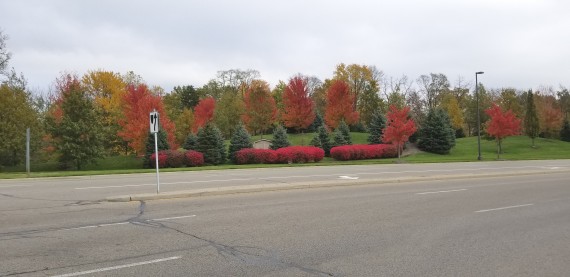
(363, 151)
(291, 154)
(175, 158)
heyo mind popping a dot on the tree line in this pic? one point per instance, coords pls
(106, 113)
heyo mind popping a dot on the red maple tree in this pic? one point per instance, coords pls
(203, 113)
(260, 109)
(501, 125)
(399, 127)
(298, 106)
(340, 105)
(139, 102)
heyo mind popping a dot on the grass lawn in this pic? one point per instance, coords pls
(514, 148)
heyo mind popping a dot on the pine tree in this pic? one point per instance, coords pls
(318, 122)
(565, 131)
(377, 124)
(280, 138)
(240, 140)
(149, 146)
(211, 144)
(345, 132)
(531, 123)
(437, 134)
(190, 142)
(322, 140)
(338, 138)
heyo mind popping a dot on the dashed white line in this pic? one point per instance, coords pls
(118, 267)
(503, 208)
(441, 191)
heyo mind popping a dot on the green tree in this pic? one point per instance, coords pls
(344, 131)
(162, 144)
(318, 122)
(369, 103)
(227, 113)
(565, 131)
(322, 140)
(190, 142)
(19, 113)
(437, 135)
(376, 127)
(338, 138)
(211, 144)
(280, 138)
(240, 140)
(78, 130)
(531, 123)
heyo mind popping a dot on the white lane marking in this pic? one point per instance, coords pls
(503, 208)
(118, 267)
(441, 191)
(172, 183)
(125, 222)
(15, 186)
(169, 218)
(347, 177)
(447, 170)
(96, 226)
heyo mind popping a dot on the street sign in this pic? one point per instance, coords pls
(154, 122)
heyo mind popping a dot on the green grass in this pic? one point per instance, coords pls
(514, 148)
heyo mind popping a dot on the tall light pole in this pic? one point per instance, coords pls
(478, 118)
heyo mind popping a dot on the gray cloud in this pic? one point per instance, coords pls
(522, 44)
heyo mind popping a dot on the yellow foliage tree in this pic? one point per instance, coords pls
(451, 106)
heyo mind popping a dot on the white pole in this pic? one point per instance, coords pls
(156, 159)
(28, 151)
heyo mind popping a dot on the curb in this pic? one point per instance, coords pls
(316, 184)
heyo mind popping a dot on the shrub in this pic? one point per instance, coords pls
(193, 158)
(174, 158)
(162, 159)
(255, 156)
(293, 154)
(363, 151)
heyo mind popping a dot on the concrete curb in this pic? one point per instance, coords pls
(315, 184)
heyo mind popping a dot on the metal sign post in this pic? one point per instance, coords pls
(154, 126)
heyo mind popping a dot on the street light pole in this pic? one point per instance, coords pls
(478, 117)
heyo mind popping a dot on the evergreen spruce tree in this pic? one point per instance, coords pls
(149, 146)
(211, 144)
(437, 134)
(376, 127)
(240, 140)
(318, 122)
(345, 131)
(338, 138)
(322, 140)
(565, 131)
(531, 124)
(280, 138)
(190, 142)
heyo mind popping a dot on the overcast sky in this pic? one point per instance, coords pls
(518, 43)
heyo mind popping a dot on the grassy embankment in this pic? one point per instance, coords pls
(514, 148)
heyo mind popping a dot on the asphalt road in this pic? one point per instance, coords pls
(509, 226)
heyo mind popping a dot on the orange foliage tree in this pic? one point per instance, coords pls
(549, 115)
(340, 105)
(501, 125)
(399, 127)
(260, 108)
(297, 104)
(203, 113)
(139, 102)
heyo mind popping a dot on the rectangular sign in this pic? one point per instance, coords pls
(154, 122)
